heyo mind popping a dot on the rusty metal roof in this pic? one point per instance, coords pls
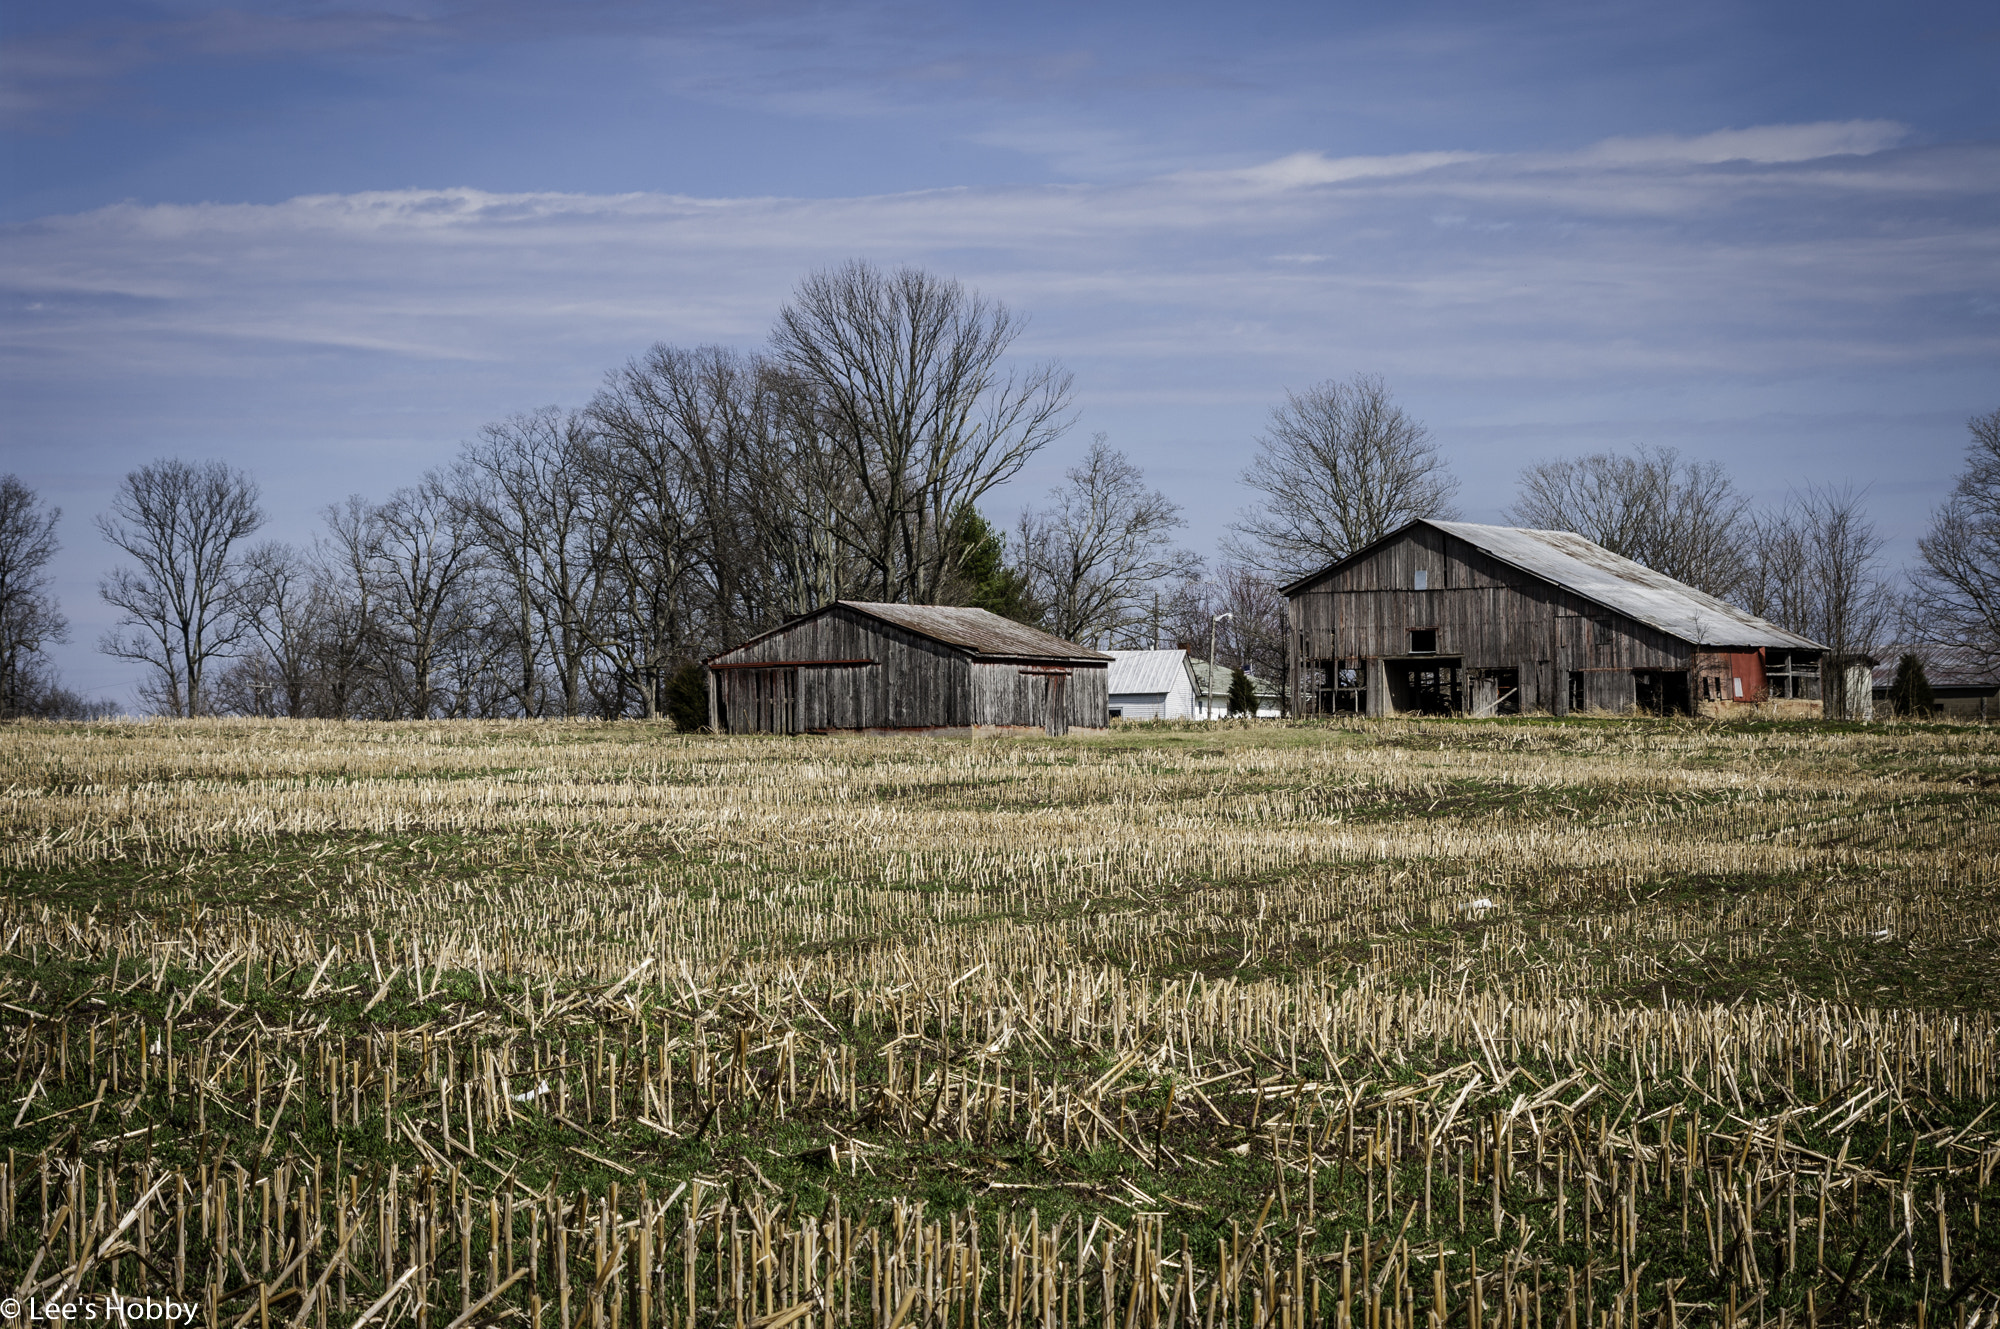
(979, 631)
(1630, 588)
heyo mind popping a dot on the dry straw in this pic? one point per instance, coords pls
(586, 936)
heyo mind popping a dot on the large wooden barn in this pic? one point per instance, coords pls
(855, 667)
(1444, 616)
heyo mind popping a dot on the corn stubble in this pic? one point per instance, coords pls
(1391, 1026)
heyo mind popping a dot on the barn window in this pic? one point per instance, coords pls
(1423, 641)
(1423, 579)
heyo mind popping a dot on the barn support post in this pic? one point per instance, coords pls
(1378, 688)
(714, 711)
(1293, 655)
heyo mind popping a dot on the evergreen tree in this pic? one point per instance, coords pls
(1242, 694)
(685, 698)
(1911, 694)
(984, 580)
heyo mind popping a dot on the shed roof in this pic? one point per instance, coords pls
(976, 630)
(1148, 671)
(1588, 569)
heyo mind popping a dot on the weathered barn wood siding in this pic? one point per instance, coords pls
(1017, 693)
(1484, 612)
(913, 682)
(1090, 697)
(1486, 615)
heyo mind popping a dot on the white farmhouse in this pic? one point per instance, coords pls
(1152, 685)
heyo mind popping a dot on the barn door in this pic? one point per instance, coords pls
(782, 704)
(764, 701)
(1055, 712)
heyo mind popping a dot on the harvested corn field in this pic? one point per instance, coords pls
(1375, 1025)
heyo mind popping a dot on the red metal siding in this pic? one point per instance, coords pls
(1746, 676)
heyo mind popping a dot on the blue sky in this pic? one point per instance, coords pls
(327, 241)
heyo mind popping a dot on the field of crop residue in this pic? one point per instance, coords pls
(1379, 1025)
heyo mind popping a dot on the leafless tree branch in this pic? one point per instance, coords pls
(1341, 466)
(180, 522)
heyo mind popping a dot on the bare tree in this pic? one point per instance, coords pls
(916, 409)
(1253, 638)
(1956, 586)
(350, 677)
(1259, 624)
(684, 443)
(1684, 518)
(1815, 569)
(1340, 466)
(29, 619)
(413, 560)
(285, 601)
(178, 610)
(527, 487)
(808, 532)
(1101, 548)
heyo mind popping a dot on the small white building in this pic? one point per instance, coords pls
(1211, 686)
(1152, 685)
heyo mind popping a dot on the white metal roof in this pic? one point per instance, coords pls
(1631, 589)
(1148, 671)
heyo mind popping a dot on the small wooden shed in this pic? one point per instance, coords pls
(1444, 616)
(856, 667)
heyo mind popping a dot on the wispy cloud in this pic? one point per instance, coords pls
(51, 69)
(1762, 143)
(1776, 269)
(1301, 170)
(1559, 265)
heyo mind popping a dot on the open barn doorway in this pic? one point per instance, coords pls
(1428, 687)
(1662, 691)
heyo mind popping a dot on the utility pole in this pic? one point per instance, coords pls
(1208, 691)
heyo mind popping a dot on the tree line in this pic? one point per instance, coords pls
(574, 562)
(581, 562)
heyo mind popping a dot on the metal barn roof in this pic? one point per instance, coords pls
(1617, 583)
(1632, 589)
(978, 630)
(1148, 672)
